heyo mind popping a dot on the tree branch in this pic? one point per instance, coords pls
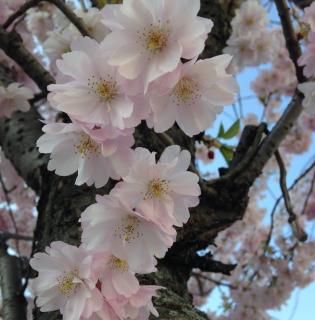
(11, 43)
(14, 303)
(290, 37)
(297, 230)
(76, 21)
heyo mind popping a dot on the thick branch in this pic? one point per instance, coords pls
(272, 142)
(14, 303)
(11, 43)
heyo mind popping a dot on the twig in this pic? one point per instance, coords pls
(297, 230)
(4, 236)
(296, 181)
(284, 189)
(83, 6)
(242, 165)
(290, 37)
(219, 283)
(59, 4)
(271, 143)
(167, 140)
(205, 263)
(308, 194)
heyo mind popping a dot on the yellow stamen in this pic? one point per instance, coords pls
(87, 146)
(186, 90)
(107, 90)
(118, 264)
(66, 285)
(128, 229)
(156, 39)
(157, 188)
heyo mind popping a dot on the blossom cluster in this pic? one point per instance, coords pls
(14, 97)
(251, 42)
(130, 73)
(307, 60)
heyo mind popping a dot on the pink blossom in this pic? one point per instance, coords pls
(298, 140)
(65, 281)
(162, 191)
(106, 313)
(97, 155)
(56, 44)
(14, 97)
(39, 23)
(310, 209)
(309, 121)
(250, 17)
(307, 59)
(242, 50)
(112, 226)
(150, 36)
(308, 89)
(92, 20)
(115, 275)
(309, 16)
(136, 307)
(92, 93)
(4, 12)
(193, 95)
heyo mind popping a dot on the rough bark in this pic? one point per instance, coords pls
(13, 300)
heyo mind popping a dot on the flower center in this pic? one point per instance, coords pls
(87, 146)
(156, 39)
(249, 22)
(66, 285)
(105, 88)
(186, 90)
(118, 264)
(127, 230)
(157, 188)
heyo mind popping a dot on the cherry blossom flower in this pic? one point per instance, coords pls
(65, 281)
(203, 153)
(92, 20)
(309, 121)
(96, 156)
(14, 97)
(307, 59)
(309, 16)
(56, 44)
(106, 313)
(93, 94)
(38, 22)
(250, 17)
(115, 275)
(298, 140)
(150, 36)
(161, 191)
(112, 226)
(4, 12)
(308, 89)
(193, 95)
(136, 307)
